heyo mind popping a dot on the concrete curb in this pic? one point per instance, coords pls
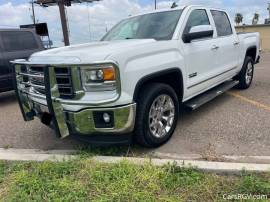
(61, 155)
(221, 158)
(206, 166)
(35, 155)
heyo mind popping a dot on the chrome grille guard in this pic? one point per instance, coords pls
(52, 97)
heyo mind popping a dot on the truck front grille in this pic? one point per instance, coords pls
(63, 78)
(64, 82)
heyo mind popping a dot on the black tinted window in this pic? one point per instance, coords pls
(18, 40)
(197, 17)
(222, 23)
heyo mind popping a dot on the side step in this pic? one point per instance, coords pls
(199, 100)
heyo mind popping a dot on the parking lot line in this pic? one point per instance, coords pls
(253, 102)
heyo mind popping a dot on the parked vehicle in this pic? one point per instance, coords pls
(15, 44)
(132, 82)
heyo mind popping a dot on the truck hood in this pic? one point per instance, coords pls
(85, 53)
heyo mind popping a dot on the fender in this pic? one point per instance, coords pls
(158, 76)
(251, 48)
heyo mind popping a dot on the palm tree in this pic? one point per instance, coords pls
(174, 5)
(238, 18)
(255, 19)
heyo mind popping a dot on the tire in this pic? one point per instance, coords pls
(245, 77)
(148, 121)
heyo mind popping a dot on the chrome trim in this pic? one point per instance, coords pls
(24, 102)
(37, 86)
(101, 84)
(32, 75)
(83, 122)
(55, 108)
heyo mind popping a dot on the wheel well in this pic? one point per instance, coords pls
(172, 77)
(251, 52)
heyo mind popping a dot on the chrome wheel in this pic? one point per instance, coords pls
(161, 116)
(249, 73)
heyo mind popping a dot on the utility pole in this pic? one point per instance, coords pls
(61, 4)
(33, 12)
(268, 8)
(155, 4)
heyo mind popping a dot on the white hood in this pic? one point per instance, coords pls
(85, 53)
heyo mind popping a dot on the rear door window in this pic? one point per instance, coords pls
(18, 40)
(222, 23)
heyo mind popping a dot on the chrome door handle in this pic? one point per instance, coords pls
(236, 43)
(214, 47)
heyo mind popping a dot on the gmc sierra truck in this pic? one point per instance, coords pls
(132, 83)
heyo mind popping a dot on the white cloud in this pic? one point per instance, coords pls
(106, 13)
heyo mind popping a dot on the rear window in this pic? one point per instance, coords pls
(18, 40)
(222, 23)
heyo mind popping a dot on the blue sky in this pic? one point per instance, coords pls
(90, 22)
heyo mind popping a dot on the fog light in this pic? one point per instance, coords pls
(106, 118)
(103, 119)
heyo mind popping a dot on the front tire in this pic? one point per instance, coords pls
(245, 76)
(157, 114)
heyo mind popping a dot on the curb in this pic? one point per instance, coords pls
(36, 155)
(62, 155)
(221, 158)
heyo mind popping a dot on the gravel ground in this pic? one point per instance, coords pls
(228, 125)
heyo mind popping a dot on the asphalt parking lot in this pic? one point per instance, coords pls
(235, 123)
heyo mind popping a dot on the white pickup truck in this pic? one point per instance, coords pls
(132, 83)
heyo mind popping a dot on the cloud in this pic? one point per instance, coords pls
(89, 22)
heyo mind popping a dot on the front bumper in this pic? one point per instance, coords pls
(83, 123)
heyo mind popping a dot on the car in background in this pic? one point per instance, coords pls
(14, 44)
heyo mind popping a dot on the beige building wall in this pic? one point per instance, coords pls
(264, 31)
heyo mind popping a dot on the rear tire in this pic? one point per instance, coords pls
(157, 114)
(245, 77)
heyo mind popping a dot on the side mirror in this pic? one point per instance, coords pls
(198, 32)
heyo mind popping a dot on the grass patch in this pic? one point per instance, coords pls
(86, 180)
(127, 151)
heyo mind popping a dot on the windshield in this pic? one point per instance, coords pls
(158, 26)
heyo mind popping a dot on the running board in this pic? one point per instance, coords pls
(209, 95)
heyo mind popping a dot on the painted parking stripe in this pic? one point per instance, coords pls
(253, 102)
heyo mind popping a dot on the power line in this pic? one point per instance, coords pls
(89, 25)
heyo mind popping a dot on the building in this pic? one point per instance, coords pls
(263, 29)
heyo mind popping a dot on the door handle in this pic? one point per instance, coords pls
(236, 43)
(214, 47)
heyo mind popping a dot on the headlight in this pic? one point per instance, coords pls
(101, 78)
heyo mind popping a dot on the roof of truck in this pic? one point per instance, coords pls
(177, 8)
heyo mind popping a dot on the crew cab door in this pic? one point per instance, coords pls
(200, 54)
(228, 44)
